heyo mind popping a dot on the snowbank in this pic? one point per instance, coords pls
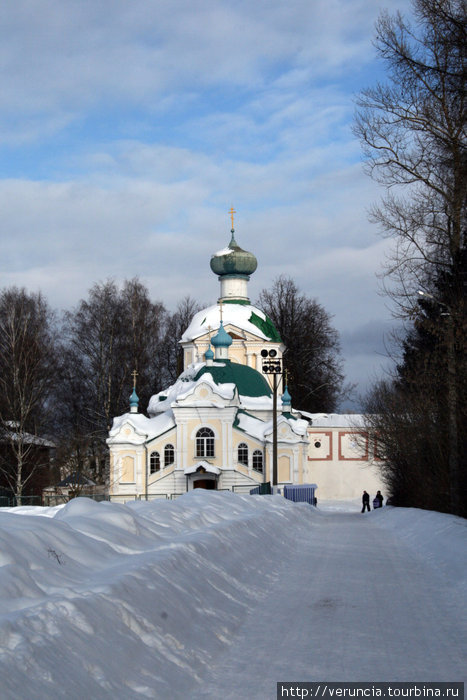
(101, 599)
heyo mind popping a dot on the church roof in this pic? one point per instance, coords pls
(334, 420)
(248, 381)
(253, 390)
(228, 378)
(246, 317)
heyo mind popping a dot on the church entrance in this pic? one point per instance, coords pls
(204, 484)
(202, 476)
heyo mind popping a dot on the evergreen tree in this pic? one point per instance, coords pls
(413, 130)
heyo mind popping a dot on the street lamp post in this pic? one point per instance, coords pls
(273, 365)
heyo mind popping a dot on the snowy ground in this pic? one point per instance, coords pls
(218, 595)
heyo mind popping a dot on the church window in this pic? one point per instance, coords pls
(243, 454)
(169, 455)
(205, 443)
(154, 462)
(258, 460)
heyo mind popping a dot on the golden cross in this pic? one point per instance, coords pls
(220, 307)
(134, 374)
(232, 212)
(285, 376)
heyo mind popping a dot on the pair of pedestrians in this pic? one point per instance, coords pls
(377, 501)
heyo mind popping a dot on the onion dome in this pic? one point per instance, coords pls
(222, 339)
(209, 355)
(233, 261)
(134, 401)
(286, 400)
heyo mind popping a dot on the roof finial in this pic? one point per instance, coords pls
(220, 308)
(232, 212)
(134, 374)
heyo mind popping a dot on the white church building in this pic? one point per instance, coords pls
(213, 428)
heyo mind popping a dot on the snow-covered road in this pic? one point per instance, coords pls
(352, 603)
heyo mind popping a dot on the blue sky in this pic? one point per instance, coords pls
(129, 127)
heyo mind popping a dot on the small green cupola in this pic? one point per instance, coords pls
(221, 342)
(233, 265)
(286, 401)
(134, 399)
(209, 356)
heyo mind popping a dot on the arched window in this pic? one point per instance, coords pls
(154, 462)
(205, 443)
(243, 454)
(258, 460)
(169, 455)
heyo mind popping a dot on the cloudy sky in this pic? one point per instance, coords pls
(129, 128)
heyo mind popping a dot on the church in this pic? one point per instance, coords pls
(213, 428)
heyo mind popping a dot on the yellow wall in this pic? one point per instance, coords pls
(284, 468)
(128, 469)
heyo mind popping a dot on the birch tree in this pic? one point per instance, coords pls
(27, 375)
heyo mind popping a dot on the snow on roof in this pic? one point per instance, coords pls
(258, 428)
(185, 385)
(205, 465)
(224, 251)
(251, 425)
(335, 420)
(12, 435)
(225, 391)
(257, 403)
(238, 315)
(200, 372)
(144, 427)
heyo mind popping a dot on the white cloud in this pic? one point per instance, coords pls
(129, 128)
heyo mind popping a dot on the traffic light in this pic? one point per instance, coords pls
(271, 363)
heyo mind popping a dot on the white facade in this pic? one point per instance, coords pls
(204, 434)
(342, 458)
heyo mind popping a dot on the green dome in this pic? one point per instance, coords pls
(233, 261)
(248, 381)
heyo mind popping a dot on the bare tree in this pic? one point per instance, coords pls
(27, 373)
(176, 325)
(413, 132)
(312, 355)
(107, 337)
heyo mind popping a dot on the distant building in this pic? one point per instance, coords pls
(71, 486)
(341, 457)
(213, 428)
(36, 468)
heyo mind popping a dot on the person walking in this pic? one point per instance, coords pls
(378, 500)
(365, 501)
